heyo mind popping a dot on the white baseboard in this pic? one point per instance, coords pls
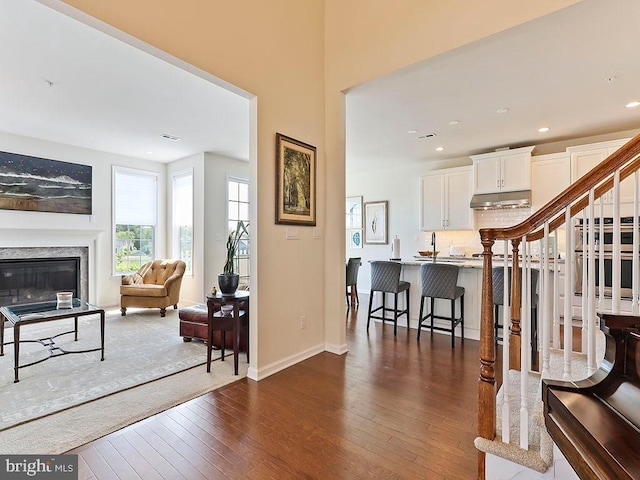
(336, 349)
(259, 374)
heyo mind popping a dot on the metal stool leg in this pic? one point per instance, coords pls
(420, 317)
(453, 323)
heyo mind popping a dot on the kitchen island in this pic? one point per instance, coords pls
(469, 277)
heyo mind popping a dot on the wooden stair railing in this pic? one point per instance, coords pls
(558, 212)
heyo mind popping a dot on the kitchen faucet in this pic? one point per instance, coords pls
(433, 246)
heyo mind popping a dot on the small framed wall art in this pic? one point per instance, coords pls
(295, 182)
(376, 223)
(353, 223)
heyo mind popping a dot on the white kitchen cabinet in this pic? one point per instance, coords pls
(586, 157)
(550, 175)
(503, 171)
(444, 200)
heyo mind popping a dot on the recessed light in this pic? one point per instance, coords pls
(632, 104)
(170, 137)
(412, 131)
(454, 122)
(502, 110)
(543, 129)
(439, 149)
(149, 153)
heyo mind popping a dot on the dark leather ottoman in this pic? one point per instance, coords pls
(193, 324)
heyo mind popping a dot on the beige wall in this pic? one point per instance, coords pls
(275, 49)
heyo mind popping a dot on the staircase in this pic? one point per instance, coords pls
(512, 439)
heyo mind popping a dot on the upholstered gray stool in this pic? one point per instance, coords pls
(440, 280)
(385, 278)
(352, 279)
(497, 274)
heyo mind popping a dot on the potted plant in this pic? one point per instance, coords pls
(228, 280)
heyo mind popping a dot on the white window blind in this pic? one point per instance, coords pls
(136, 198)
(183, 199)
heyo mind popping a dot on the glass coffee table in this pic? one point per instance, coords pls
(29, 313)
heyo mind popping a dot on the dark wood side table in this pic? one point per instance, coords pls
(235, 322)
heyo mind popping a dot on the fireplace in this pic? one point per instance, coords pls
(25, 280)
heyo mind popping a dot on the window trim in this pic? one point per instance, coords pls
(175, 240)
(233, 178)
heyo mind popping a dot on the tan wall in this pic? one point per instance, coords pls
(275, 49)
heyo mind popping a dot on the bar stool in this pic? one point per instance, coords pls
(441, 281)
(352, 279)
(497, 274)
(385, 278)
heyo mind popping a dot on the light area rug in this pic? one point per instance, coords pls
(66, 401)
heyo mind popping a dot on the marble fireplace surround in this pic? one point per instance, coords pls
(54, 252)
(16, 244)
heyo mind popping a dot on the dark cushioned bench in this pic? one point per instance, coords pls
(193, 324)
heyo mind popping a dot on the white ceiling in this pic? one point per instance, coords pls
(105, 94)
(109, 96)
(549, 72)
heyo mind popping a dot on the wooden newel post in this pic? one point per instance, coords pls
(515, 337)
(487, 379)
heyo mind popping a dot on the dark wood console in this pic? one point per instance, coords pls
(596, 422)
(235, 322)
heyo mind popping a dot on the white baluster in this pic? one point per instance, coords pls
(544, 319)
(568, 293)
(615, 267)
(524, 355)
(526, 307)
(589, 272)
(556, 294)
(636, 248)
(586, 234)
(601, 306)
(506, 324)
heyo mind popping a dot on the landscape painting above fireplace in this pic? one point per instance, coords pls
(43, 185)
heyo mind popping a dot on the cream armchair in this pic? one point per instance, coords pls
(155, 285)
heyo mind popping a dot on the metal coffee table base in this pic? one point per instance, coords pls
(19, 315)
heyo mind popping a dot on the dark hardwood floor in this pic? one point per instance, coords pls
(390, 408)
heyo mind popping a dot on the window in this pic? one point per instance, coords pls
(183, 218)
(238, 209)
(135, 195)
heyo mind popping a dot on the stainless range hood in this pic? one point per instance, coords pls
(492, 201)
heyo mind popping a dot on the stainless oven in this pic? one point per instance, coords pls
(626, 268)
(626, 234)
(626, 255)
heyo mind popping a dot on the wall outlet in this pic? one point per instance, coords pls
(303, 322)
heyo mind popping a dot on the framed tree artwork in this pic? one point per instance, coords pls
(295, 182)
(376, 223)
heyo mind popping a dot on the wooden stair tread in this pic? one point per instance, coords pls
(597, 433)
(595, 422)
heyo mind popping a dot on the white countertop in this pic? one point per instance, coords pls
(463, 262)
